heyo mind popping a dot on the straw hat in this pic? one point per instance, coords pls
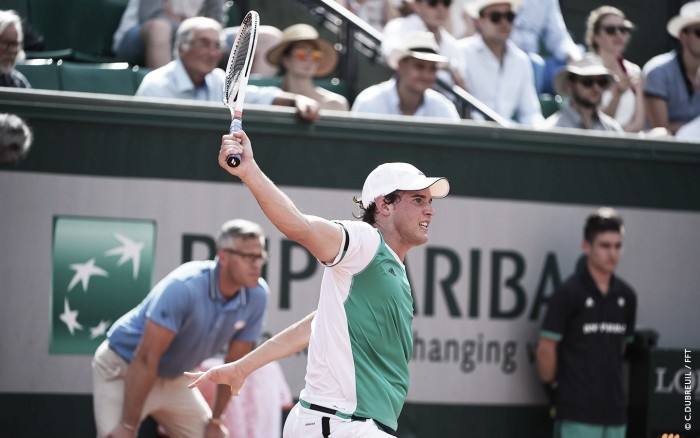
(419, 45)
(589, 65)
(689, 14)
(304, 32)
(474, 7)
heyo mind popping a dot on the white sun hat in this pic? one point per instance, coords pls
(689, 14)
(419, 45)
(390, 177)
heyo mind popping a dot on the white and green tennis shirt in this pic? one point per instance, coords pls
(361, 339)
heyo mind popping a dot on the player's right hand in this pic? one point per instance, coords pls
(237, 143)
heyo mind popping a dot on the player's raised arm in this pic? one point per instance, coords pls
(321, 237)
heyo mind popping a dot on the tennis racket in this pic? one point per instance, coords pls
(237, 73)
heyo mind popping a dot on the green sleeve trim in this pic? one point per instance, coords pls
(551, 335)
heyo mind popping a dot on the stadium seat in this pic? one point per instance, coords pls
(111, 78)
(138, 74)
(549, 104)
(19, 6)
(41, 73)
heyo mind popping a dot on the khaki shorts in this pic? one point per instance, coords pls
(183, 412)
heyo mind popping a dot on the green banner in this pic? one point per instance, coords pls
(101, 269)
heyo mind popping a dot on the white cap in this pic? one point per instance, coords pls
(390, 177)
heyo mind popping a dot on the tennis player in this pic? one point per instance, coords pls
(360, 339)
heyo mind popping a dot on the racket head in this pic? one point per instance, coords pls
(240, 61)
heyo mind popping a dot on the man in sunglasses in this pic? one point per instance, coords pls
(192, 314)
(583, 82)
(409, 92)
(497, 72)
(672, 90)
(428, 16)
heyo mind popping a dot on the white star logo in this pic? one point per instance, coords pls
(621, 302)
(589, 302)
(129, 250)
(100, 329)
(70, 318)
(83, 272)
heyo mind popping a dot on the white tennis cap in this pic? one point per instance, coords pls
(390, 177)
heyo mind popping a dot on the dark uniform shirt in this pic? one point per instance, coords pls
(591, 329)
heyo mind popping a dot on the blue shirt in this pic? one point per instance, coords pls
(189, 303)
(664, 78)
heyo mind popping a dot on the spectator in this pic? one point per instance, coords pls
(15, 139)
(541, 20)
(187, 317)
(428, 16)
(498, 73)
(256, 412)
(11, 51)
(460, 23)
(375, 12)
(146, 30)
(607, 35)
(268, 36)
(301, 56)
(671, 92)
(584, 82)
(409, 92)
(194, 75)
(691, 130)
(590, 319)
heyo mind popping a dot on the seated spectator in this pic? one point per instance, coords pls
(11, 50)
(409, 92)
(268, 36)
(460, 23)
(607, 35)
(301, 56)
(194, 75)
(584, 82)
(691, 130)
(146, 30)
(428, 16)
(671, 90)
(541, 20)
(375, 12)
(15, 139)
(256, 412)
(497, 72)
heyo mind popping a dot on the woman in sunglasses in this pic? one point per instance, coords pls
(302, 56)
(607, 35)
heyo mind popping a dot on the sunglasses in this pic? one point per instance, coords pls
(612, 30)
(433, 3)
(602, 81)
(304, 54)
(695, 31)
(496, 17)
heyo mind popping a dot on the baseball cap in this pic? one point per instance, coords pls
(390, 177)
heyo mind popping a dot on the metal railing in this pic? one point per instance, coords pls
(356, 36)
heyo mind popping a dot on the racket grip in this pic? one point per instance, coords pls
(234, 160)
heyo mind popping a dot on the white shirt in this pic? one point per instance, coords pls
(395, 33)
(627, 106)
(542, 19)
(383, 98)
(172, 81)
(508, 88)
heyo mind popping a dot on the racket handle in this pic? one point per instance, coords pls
(234, 160)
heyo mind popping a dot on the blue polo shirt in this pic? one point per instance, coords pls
(189, 303)
(664, 78)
